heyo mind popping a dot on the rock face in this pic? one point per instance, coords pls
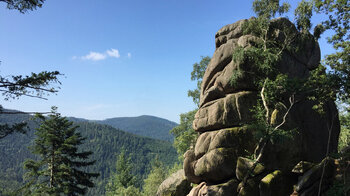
(225, 113)
(175, 185)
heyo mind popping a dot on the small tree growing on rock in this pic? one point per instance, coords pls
(279, 91)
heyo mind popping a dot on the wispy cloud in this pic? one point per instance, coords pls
(94, 56)
(98, 56)
(129, 55)
(113, 53)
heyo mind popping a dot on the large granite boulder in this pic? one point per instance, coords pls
(309, 182)
(175, 185)
(225, 113)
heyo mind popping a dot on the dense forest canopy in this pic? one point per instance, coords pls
(104, 141)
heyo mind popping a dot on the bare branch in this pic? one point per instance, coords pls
(327, 152)
(267, 115)
(292, 102)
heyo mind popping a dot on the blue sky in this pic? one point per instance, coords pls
(119, 58)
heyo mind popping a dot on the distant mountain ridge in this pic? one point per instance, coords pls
(145, 125)
(104, 140)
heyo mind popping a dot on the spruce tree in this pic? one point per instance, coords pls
(60, 169)
(122, 182)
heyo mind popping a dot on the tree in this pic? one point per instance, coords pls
(61, 166)
(324, 83)
(122, 182)
(23, 5)
(36, 85)
(338, 12)
(337, 64)
(344, 137)
(155, 177)
(185, 136)
(197, 75)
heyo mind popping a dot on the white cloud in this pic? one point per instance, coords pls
(97, 56)
(94, 56)
(129, 55)
(113, 53)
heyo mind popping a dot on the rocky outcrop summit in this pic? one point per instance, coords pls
(218, 162)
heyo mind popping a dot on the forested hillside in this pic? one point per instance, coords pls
(103, 140)
(149, 126)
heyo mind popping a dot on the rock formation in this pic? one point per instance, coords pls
(174, 185)
(218, 161)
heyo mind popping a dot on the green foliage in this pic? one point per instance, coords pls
(197, 75)
(321, 87)
(269, 8)
(344, 137)
(176, 167)
(185, 136)
(60, 167)
(23, 5)
(263, 56)
(277, 90)
(6, 129)
(338, 12)
(303, 14)
(105, 141)
(36, 85)
(262, 60)
(338, 189)
(8, 183)
(148, 126)
(122, 178)
(130, 190)
(155, 177)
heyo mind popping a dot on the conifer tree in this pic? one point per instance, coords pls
(23, 5)
(60, 168)
(122, 182)
(36, 85)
